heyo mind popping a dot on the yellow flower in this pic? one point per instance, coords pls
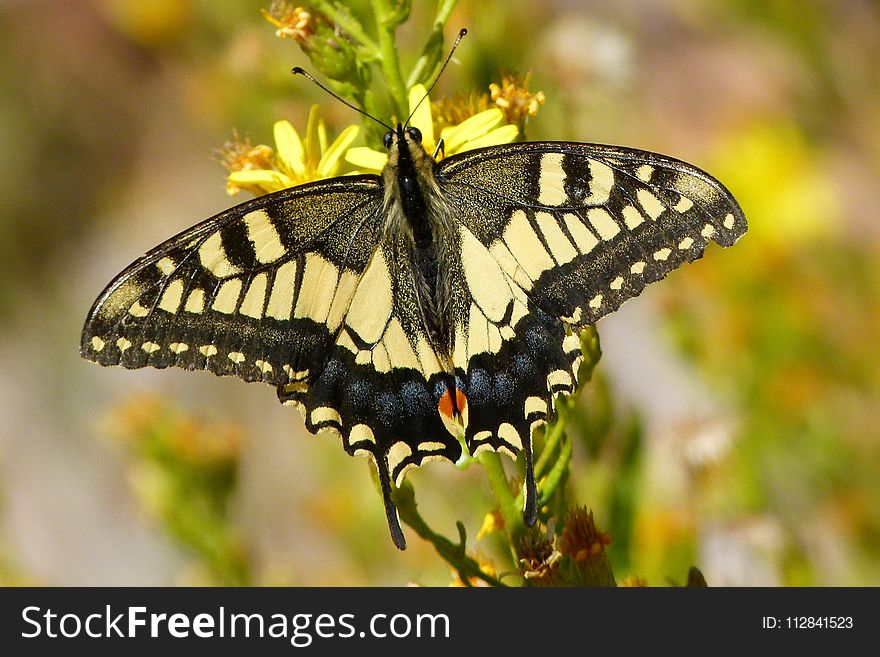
(260, 170)
(486, 128)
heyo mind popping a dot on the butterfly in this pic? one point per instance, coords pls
(438, 300)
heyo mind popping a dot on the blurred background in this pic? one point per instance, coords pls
(734, 422)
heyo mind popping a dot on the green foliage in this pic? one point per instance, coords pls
(184, 472)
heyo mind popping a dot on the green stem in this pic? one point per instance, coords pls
(388, 59)
(432, 54)
(552, 438)
(454, 554)
(507, 504)
(444, 11)
(557, 473)
(348, 25)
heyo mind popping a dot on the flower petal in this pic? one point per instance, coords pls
(329, 163)
(421, 118)
(322, 137)
(289, 147)
(502, 135)
(471, 128)
(266, 179)
(313, 140)
(366, 158)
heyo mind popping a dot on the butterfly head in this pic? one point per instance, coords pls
(401, 134)
(406, 154)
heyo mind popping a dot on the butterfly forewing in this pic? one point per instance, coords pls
(583, 227)
(256, 292)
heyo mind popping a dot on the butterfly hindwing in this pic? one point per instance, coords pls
(382, 388)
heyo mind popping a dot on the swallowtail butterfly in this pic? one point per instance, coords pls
(396, 310)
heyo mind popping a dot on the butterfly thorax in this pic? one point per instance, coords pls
(418, 216)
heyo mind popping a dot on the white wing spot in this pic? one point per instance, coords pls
(398, 452)
(208, 350)
(571, 343)
(662, 254)
(575, 317)
(632, 217)
(596, 301)
(684, 204)
(236, 357)
(263, 366)
(166, 266)
(172, 296)
(638, 267)
(535, 405)
(97, 343)
(645, 172)
(123, 344)
(264, 237)
(728, 221)
(603, 223)
(560, 246)
(601, 183)
(526, 248)
(583, 237)
(431, 446)
(252, 305)
(360, 433)
(650, 204)
(686, 243)
(213, 257)
(227, 298)
(488, 284)
(708, 230)
(281, 297)
(617, 283)
(138, 310)
(178, 347)
(551, 184)
(325, 414)
(558, 378)
(508, 433)
(319, 280)
(150, 347)
(293, 374)
(195, 302)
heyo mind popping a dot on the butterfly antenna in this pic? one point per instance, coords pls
(301, 71)
(460, 36)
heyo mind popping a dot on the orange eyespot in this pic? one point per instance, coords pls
(449, 407)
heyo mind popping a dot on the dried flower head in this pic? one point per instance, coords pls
(291, 22)
(581, 539)
(513, 97)
(539, 559)
(240, 154)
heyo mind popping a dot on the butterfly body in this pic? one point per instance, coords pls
(439, 299)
